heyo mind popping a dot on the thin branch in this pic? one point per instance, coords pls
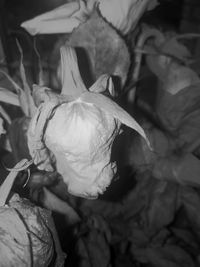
(8, 183)
(186, 36)
(5, 115)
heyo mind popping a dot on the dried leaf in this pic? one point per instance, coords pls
(9, 97)
(13, 231)
(113, 109)
(60, 20)
(178, 77)
(21, 94)
(39, 152)
(167, 53)
(15, 85)
(92, 246)
(152, 4)
(28, 235)
(191, 200)
(161, 206)
(41, 79)
(2, 130)
(168, 255)
(72, 83)
(5, 115)
(95, 35)
(17, 134)
(27, 103)
(103, 49)
(124, 15)
(137, 153)
(101, 84)
(189, 239)
(173, 47)
(179, 114)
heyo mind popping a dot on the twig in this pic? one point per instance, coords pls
(5, 115)
(8, 183)
(41, 74)
(161, 53)
(146, 34)
(186, 36)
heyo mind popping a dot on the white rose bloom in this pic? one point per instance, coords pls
(80, 136)
(77, 129)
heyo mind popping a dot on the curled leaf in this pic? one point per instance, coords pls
(35, 133)
(123, 15)
(61, 20)
(113, 109)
